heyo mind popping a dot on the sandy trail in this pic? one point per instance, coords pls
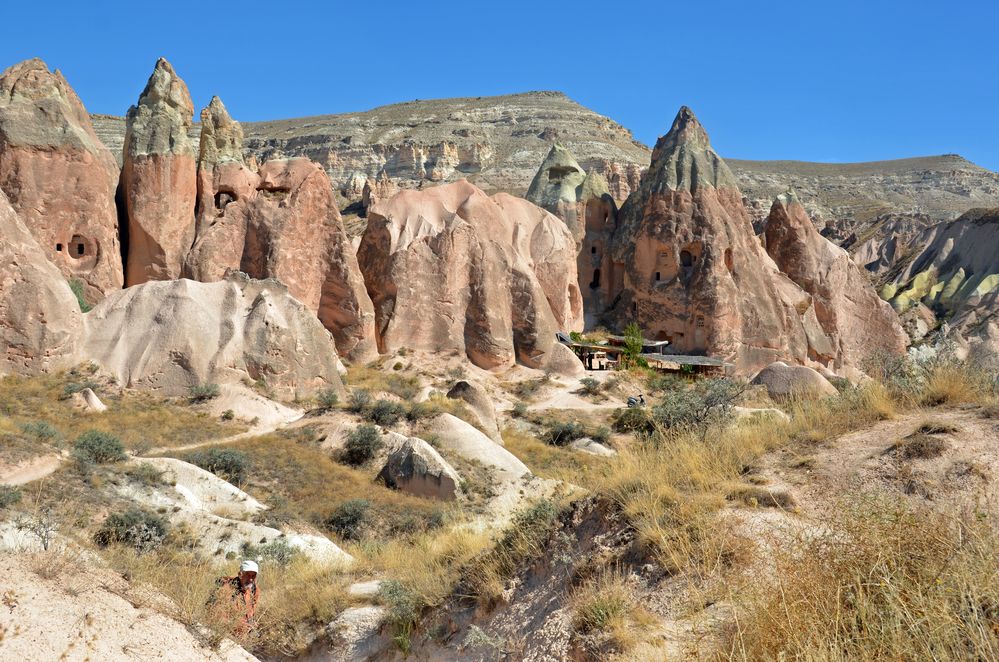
(32, 470)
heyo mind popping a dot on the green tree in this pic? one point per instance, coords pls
(633, 341)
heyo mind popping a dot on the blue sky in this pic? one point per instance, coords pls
(823, 81)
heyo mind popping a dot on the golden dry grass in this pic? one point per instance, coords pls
(885, 583)
(553, 462)
(140, 420)
(605, 607)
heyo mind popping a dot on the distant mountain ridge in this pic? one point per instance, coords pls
(498, 143)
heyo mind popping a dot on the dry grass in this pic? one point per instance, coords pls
(761, 497)
(890, 584)
(605, 608)
(919, 446)
(140, 420)
(303, 484)
(952, 384)
(296, 602)
(372, 377)
(553, 462)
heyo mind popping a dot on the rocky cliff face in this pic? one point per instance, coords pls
(688, 267)
(59, 177)
(451, 269)
(39, 316)
(280, 221)
(852, 316)
(953, 270)
(159, 178)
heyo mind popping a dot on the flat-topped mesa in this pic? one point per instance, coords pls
(452, 269)
(159, 178)
(279, 222)
(687, 267)
(852, 316)
(59, 177)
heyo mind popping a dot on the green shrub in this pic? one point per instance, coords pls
(9, 495)
(706, 401)
(77, 287)
(228, 415)
(563, 434)
(94, 446)
(145, 474)
(204, 392)
(327, 399)
(361, 446)
(230, 464)
(590, 386)
(279, 551)
(137, 528)
(632, 419)
(519, 409)
(404, 607)
(386, 412)
(73, 388)
(40, 430)
(347, 520)
(359, 401)
(601, 435)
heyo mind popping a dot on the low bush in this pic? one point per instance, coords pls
(228, 415)
(361, 446)
(632, 419)
(920, 446)
(72, 388)
(94, 446)
(327, 399)
(359, 401)
(404, 607)
(227, 463)
(203, 392)
(386, 413)
(278, 551)
(590, 386)
(563, 433)
(605, 605)
(9, 495)
(348, 519)
(76, 286)
(706, 401)
(519, 409)
(40, 431)
(139, 529)
(145, 474)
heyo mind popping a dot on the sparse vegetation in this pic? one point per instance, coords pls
(564, 433)
(9, 495)
(145, 474)
(347, 519)
(361, 446)
(359, 401)
(98, 447)
(919, 446)
(706, 401)
(139, 529)
(386, 413)
(77, 286)
(605, 606)
(230, 464)
(204, 392)
(327, 399)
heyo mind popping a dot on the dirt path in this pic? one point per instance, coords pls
(252, 432)
(32, 470)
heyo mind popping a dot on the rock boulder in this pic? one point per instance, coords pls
(171, 335)
(416, 467)
(790, 381)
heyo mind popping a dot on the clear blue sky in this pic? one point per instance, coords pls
(824, 81)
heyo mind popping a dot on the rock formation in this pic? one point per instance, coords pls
(852, 316)
(955, 273)
(159, 178)
(481, 405)
(416, 467)
(59, 177)
(171, 335)
(280, 222)
(39, 316)
(784, 381)
(584, 202)
(451, 269)
(374, 190)
(687, 267)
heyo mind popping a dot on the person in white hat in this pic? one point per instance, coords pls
(245, 594)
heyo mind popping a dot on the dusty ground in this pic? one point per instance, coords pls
(64, 607)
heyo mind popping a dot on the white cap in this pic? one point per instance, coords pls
(249, 566)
